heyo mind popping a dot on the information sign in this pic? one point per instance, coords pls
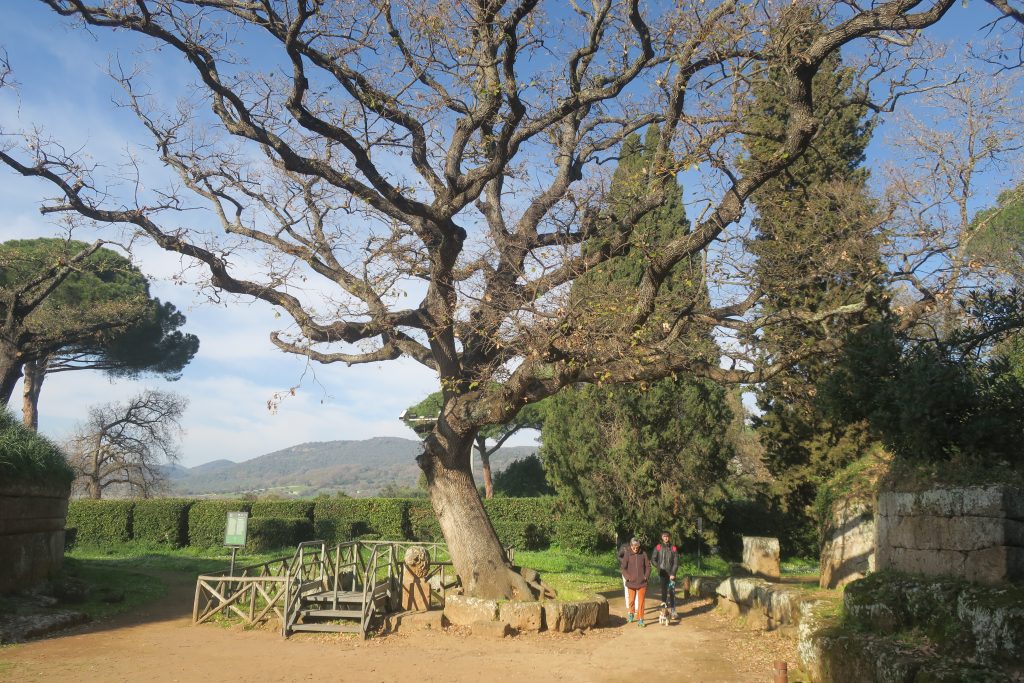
(234, 532)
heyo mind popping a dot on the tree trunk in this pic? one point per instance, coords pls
(10, 372)
(95, 490)
(476, 552)
(35, 373)
(485, 465)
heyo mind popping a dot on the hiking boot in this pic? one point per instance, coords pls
(641, 623)
(675, 614)
(630, 618)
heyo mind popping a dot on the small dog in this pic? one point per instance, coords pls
(664, 618)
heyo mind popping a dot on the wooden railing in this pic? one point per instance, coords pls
(253, 593)
(277, 587)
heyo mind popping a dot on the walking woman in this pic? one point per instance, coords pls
(636, 568)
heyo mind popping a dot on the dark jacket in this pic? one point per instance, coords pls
(666, 559)
(635, 567)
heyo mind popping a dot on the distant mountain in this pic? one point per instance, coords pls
(357, 468)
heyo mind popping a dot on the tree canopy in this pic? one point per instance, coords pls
(100, 316)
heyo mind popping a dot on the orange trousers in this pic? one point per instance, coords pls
(637, 595)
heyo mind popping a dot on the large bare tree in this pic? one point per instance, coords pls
(460, 149)
(124, 447)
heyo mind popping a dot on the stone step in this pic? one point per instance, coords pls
(328, 628)
(332, 613)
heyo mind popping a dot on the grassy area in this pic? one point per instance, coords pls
(143, 571)
(139, 573)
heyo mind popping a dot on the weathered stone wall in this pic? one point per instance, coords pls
(975, 533)
(31, 534)
(848, 548)
(906, 629)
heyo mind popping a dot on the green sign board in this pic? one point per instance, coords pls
(234, 533)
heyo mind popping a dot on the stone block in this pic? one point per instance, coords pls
(742, 591)
(490, 629)
(761, 556)
(848, 552)
(570, 616)
(703, 587)
(461, 610)
(522, 616)
(432, 620)
(995, 617)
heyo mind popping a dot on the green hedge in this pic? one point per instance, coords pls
(161, 520)
(100, 522)
(523, 523)
(274, 533)
(342, 519)
(287, 509)
(423, 525)
(207, 520)
(575, 533)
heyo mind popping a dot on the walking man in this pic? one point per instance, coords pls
(666, 559)
(636, 568)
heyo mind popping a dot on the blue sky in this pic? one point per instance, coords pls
(63, 88)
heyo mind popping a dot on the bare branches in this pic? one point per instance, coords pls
(125, 446)
(460, 153)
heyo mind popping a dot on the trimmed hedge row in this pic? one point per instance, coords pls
(523, 523)
(100, 521)
(161, 520)
(340, 519)
(208, 518)
(271, 533)
(287, 509)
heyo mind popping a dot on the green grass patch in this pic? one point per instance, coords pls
(106, 581)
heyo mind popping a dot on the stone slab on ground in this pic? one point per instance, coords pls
(414, 621)
(25, 627)
(766, 605)
(490, 629)
(522, 616)
(564, 617)
(462, 610)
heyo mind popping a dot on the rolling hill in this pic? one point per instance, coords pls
(357, 468)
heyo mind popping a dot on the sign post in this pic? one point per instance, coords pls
(234, 534)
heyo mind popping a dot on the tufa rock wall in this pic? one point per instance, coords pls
(975, 533)
(31, 534)
(848, 545)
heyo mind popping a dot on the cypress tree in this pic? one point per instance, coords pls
(643, 457)
(812, 256)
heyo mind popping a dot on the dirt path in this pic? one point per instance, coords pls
(159, 644)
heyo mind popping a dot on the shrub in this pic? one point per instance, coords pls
(161, 520)
(336, 520)
(290, 509)
(572, 532)
(273, 533)
(523, 523)
(27, 457)
(423, 524)
(207, 520)
(100, 522)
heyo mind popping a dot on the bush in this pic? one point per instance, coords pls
(207, 520)
(523, 523)
(27, 457)
(336, 520)
(100, 522)
(572, 532)
(423, 524)
(289, 509)
(273, 533)
(161, 520)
